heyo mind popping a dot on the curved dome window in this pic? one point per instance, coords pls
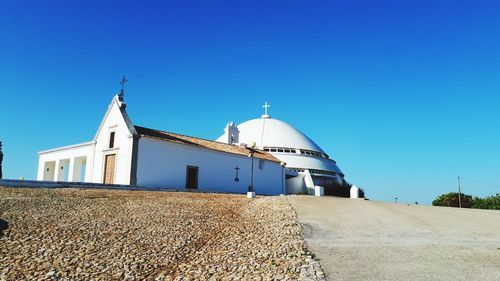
(318, 172)
(294, 151)
(280, 149)
(314, 153)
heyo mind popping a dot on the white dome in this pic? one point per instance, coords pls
(272, 134)
(267, 132)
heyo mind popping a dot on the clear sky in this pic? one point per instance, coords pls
(405, 95)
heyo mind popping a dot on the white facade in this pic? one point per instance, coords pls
(118, 154)
(85, 162)
(115, 120)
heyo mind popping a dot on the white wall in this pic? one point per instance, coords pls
(296, 185)
(163, 164)
(354, 192)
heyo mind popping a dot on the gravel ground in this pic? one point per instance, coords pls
(126, 235)
(366, 240)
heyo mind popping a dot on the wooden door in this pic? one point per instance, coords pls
(109, 169)
(192, 177)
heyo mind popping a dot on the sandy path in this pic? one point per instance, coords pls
(364, 240)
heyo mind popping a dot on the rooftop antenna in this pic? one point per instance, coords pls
(266, 107)
(122, 82)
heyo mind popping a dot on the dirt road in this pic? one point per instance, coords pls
(365, 240)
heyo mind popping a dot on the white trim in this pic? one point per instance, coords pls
(89, 143)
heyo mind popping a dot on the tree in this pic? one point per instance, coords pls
(451, 200)
(334, 188)
(1, 159)
(489, 202)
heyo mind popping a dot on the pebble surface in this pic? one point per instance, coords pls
(74, 234)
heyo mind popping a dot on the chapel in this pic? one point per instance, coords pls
(265, 155)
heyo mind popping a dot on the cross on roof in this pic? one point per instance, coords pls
(122, 82)
(266, 107)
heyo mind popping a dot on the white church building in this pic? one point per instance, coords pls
(267, 154)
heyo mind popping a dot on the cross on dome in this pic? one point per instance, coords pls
(266, 107)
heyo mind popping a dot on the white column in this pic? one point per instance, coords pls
(87, 173)
(70, 169)
(309, 182)
(89, 168)
(41, 169)
(56, 170)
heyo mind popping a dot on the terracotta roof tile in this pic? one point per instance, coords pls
(207, 144)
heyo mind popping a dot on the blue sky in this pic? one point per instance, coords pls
(405, 95)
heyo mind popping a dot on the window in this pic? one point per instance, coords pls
(319, 172)
(282, 150)
(112, 140)
(311, 153)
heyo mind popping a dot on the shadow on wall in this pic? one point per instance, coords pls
(4, 225)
